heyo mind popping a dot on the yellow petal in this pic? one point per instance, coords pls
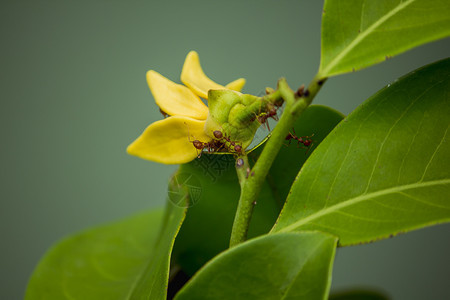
(169, 141)
(236, 85)
(193, 76)
(175, 99)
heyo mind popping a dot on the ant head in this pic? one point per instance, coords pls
(218, 134)
(238, 148)
(272, 111)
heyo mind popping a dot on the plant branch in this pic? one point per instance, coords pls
(245, 208)
(242, 169)
(251, 185)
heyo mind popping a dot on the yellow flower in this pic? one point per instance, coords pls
(169, 141)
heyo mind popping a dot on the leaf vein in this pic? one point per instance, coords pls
(391, 207)
(409, 148)
(434, 154)
(366, 218)
(365, 33)
(390, 131)
(423, 201)
(361, 198)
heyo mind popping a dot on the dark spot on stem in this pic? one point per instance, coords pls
(306, 93)
(300, 90)
(239, 163)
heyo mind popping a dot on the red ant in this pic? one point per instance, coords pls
(305, 140)
(271, 113)
(212, 146)
(236, 147)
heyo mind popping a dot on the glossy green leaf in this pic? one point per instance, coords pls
(279, 266)
(124, 260)
(153, 280)
(358, 295)
(385, 169)
(359, 33)
(317, 122)
(207, 228)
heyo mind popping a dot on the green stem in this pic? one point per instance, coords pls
(251, 181)
(242, 169)
(245, 208)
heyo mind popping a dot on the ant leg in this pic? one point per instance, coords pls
(199, 153)
(189, 134)
(219, 147)
(307, 149)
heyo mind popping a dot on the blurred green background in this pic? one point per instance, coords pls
(73, 96)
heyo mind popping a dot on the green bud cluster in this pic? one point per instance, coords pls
(238, 115)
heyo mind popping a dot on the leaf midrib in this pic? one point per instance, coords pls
(358, 199)
(364, 34)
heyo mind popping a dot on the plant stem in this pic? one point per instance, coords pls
(242, 169)
(251, 181)
(245, 208)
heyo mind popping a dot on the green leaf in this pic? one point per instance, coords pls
(359, 33)
(279, 266)
(153, 281)
(207, 228)
(384, 169)
(359, 295)
(123, 260)
(316, 121)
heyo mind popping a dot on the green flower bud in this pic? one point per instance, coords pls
(234, 114)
